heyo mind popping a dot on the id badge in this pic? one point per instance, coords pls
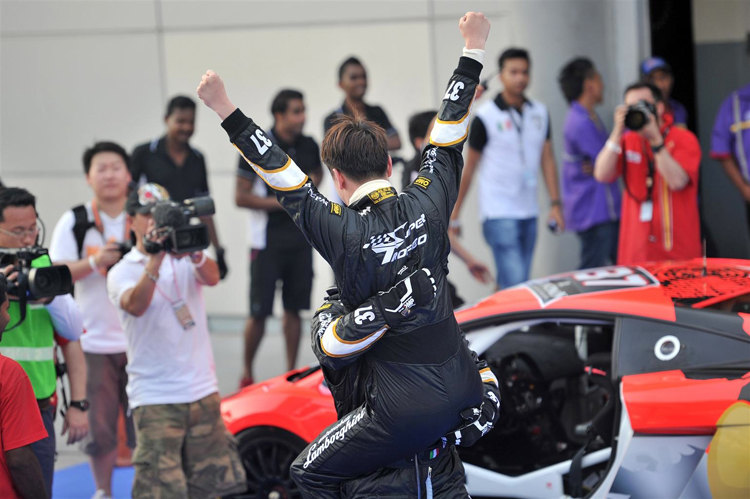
(647, 211)
(183, 315)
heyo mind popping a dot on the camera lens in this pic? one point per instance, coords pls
(635, 119)
(185, 238)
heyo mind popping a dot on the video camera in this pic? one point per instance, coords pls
(35, 283)
(173, 232)
(638, 114)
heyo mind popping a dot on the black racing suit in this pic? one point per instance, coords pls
(437, 471)
(420, 376)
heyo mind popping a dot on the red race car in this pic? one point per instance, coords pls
(618, 382)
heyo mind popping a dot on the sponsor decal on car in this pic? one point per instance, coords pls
(602, 280)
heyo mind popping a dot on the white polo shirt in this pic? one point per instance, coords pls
(166, 363)
(511, 144)
(103, 332)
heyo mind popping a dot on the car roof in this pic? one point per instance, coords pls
(651, 290)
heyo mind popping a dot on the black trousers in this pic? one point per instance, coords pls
(353, 458)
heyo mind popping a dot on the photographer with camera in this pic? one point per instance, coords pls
(32, 281)
(183, 448)
(659, 164)
(90, 239)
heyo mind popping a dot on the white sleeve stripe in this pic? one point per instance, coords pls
(447, 133)
(333, 347)
(489, 377)
(287, 178)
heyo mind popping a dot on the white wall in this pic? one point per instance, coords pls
(73, 72)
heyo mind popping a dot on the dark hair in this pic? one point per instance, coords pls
(352, 61)
(572, 76)
(88, 154)
(658, 97)
(179, 102)
(15, 196)
(356, 147)
(513, 53)
(419, 123)
(281, 102)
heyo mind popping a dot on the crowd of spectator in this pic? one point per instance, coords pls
(629, 192)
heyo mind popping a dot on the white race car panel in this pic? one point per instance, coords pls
(651, 458)
(624, 437)
(546, 483)
(698, 486)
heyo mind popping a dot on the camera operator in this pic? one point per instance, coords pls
(659, 164)
(20, 424)
(183, 448)
(31, 343)
(89, 239)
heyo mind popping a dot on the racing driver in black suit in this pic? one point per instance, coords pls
(420, 375)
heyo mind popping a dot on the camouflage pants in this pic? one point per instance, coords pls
(184, 450)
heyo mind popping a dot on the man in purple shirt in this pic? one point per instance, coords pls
(592, 209)
(657, 71)
(730, 142)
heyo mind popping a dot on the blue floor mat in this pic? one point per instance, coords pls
(77, 482)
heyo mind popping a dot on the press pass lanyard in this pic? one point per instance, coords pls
(100, 226)
(179, 307)
(518, 125)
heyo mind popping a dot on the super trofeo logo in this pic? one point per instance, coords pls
(390, 243)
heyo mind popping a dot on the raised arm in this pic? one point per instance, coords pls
(605, 167)
(339, 337)
(324, 223)
(442, 160)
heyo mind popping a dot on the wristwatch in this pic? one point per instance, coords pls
(656, 149)
(81, 405)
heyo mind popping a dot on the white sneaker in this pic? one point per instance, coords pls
(100, 494)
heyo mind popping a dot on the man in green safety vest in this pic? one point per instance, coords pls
(31, 343)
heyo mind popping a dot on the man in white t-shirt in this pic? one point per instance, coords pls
(183, 448)
(89, 239)
(509, 144)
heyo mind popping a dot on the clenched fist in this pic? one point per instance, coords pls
(474, 28)
(211, 91)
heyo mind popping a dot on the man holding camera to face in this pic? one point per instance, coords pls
(183, 448)
(90, 239)
(44, 308)
(659, 163)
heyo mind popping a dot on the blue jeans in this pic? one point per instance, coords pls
(599, 245)
(44, 449)
(512, 242)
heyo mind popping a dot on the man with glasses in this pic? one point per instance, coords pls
(31, 344)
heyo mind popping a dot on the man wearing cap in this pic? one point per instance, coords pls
(183, 448)
(730, 142)
(657, 71)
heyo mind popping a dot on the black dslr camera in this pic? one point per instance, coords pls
(35, 283)
(173, 232)
(637, 115)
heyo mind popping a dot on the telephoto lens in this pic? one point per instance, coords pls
(638, 115)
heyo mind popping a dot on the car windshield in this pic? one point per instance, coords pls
(733, 305)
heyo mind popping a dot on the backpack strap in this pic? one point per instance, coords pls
(81, 226)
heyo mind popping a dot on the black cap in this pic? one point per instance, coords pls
(143, 200)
